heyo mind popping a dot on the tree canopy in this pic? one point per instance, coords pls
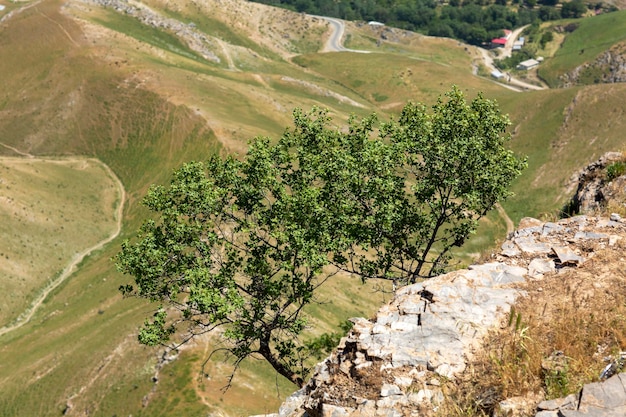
(243, 244)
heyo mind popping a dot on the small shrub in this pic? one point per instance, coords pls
(557, 384)
(545, 38)
(327, 342)
(556, 375)
(380, 97)
(616, 169)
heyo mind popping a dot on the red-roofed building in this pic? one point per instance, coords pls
(501, 41)
(497, 42)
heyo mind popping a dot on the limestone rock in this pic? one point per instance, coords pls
(607, 396)
(516, 406)
(293, 405)
(567, 256)
(385, 366)
(336, 411)
(592, 188)
(538, 267)
(608, 67)
(390, 389)
(568, 403)
(598, 399)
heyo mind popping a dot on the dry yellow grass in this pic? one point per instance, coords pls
(557, 338)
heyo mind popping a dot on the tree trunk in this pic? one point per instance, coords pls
(265, 351)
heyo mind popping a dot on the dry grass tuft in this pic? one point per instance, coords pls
(557, 338)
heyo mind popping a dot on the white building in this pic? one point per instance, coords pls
(518, 44)
(497, 74)
(528, 64)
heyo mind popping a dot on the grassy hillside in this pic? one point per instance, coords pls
(50, 211)
(561, 131)
(592, 37)
(143, 108)
(83, 80)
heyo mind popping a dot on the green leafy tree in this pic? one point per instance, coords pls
(530, 3)
(238, 245)
(432, 176)
(242, 245)
(573, 9)
(440, 29)
(547, 13)
(547, 36)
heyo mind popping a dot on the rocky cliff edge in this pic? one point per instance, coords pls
(428, 335)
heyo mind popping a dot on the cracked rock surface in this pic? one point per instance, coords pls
(392, 365)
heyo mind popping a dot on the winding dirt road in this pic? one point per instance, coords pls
(510, 226)
(71, 267)
(334, 43)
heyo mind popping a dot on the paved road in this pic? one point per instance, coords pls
(508, 48)
(334, 44)
(335, 41)
(513, 83)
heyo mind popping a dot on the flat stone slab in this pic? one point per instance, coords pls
(568, 403)
(610, 394)
(590, 236)
(501, 273)
(529, 245)
(538, 267)
(567, 256)
(597, 399)
(510, 249)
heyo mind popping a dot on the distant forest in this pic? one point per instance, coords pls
(473, 21)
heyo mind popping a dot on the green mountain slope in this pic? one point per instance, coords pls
(146, 89)
(591, 38)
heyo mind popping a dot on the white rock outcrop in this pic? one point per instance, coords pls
(392, 365)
